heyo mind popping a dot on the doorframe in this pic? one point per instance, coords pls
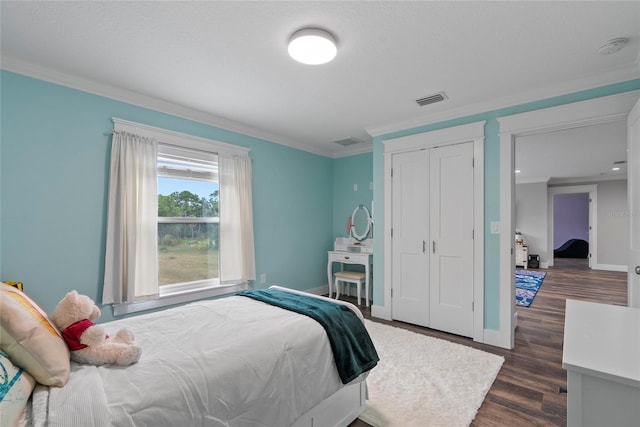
(472, 132)
(592, 191)
(578, 114)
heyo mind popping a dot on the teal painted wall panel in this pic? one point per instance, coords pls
(54, 168)
(350, 171)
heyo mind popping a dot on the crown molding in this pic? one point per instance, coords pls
(537, 180)
(36, 71)
(590, 82)
(39, 72)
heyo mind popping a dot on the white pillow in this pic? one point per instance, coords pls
(16, 386)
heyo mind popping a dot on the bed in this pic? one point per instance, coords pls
(234, 361)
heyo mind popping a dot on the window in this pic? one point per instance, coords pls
(188, 220)
(180, 225)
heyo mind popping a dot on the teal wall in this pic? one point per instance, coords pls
(348, 171)
(54, 162)
(492, 186)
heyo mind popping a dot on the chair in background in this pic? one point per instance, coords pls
(351, 277)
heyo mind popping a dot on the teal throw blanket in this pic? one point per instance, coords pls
(353, 350)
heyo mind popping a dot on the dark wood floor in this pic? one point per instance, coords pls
(526, 392)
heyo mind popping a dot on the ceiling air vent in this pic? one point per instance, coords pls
(348, 141)
(619, 162)
(431, 99)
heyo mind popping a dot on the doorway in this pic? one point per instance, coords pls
(570, 116)
(570, 223)
(573, 215)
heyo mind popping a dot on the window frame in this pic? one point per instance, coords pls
(191, 159)
(195, 290)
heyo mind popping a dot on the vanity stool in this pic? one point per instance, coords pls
(356, 277)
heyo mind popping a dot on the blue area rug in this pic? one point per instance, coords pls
(528, 283)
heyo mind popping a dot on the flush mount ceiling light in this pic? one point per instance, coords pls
(312, 46)
(613, 46)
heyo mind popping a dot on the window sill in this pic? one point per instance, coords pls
(179, 298)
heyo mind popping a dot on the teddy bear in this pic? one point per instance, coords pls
(89, 343)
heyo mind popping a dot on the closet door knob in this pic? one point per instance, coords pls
(638, 269)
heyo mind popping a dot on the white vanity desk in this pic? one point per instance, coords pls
(602, 358)
(349, 251)
(355, 249)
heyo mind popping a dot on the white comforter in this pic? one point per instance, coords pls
(226, 362)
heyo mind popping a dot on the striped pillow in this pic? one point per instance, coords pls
(16, 386)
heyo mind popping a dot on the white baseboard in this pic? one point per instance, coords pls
(495, 338)
(381, 312)
(610, 267)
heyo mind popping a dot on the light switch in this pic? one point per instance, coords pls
(495, 227)
(355, 187)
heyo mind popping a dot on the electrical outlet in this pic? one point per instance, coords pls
(263, 278)
(355, 187)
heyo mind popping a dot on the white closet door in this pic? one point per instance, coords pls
(410, 221)
(451, 246)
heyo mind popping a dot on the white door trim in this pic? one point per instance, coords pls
(633, 201)
(472, 132)
(578, 114)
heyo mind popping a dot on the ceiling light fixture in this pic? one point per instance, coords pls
(613, 46)
(312, 46)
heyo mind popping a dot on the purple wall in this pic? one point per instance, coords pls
(570, 218)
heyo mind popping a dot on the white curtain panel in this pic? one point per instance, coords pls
(237, 260)
(131, 253)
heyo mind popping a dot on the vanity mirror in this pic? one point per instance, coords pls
(360, 223)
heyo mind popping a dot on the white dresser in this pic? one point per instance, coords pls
(602, 358)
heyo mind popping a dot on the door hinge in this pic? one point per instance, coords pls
(473, 306)
(392, 232)
(391, 292)
(391, 172)
(473, 162)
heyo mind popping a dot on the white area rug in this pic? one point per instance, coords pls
(423, 381)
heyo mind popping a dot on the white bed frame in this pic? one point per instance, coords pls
(339, 409)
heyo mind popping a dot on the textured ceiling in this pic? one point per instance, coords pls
(225, 62)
